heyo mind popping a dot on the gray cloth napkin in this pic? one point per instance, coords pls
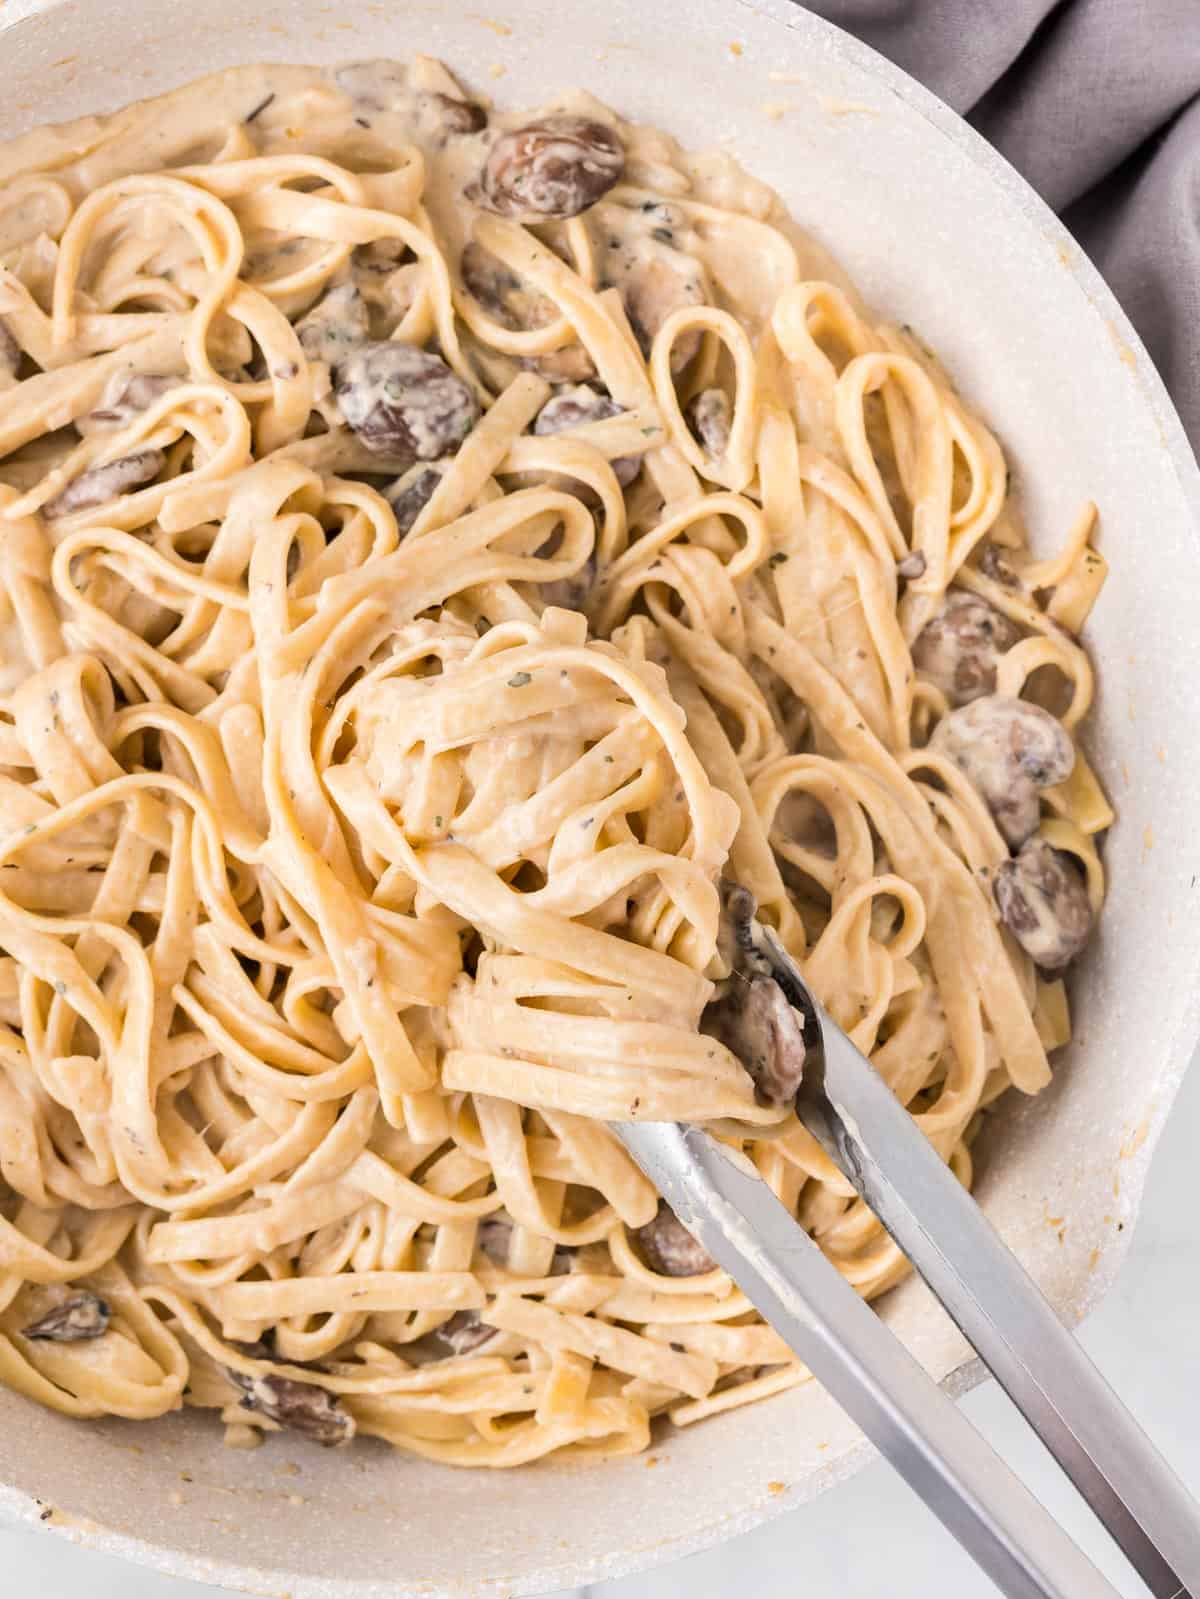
(1097, 104)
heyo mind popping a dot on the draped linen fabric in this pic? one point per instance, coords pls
(1097, 104)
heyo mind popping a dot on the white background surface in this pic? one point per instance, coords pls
(871, 1537)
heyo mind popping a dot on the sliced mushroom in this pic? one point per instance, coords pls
(337, 324)
(80, 1317)
(495, 1237)
(501, 293)
(299, 1406)
(456, 116)
(666, 1246)
(104, 483)
(410, 494)
(753, 1012)
(912, 566)
(553, 168)
(574, 407)
(404, 401)
(710, 416)
(381, 86)
(652, 289)
(753, 1019)
(959, 648)
(389, 279)
(380, 258)
(462, 1334)
(570, 363)
(571, 593)
(1043, 901)
(126, 395)
(1008, 749)
(516, 306)
(992, 564)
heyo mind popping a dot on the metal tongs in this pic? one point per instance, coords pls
(872, 1139)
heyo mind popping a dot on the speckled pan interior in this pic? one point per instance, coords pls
(941, 234)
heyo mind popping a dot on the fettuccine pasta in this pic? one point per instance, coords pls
(438, 549)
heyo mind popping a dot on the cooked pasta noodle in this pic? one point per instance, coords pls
(438, 546)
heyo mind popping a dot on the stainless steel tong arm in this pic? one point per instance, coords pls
(1040, 1364)
(857, 1360)
(873, 1140)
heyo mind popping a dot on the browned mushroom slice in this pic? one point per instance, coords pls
(753, 1011)
(666, 1246)
(710, 416)
(403, 401)
(992, 564)
(104, 483)
(388, 86)
(456, 116)
(571, 593)
(462, 1334)
(753, 1019)
(569, 364)
(1043, 901)
(516, 306)
(501, 293)
(126, 395)
(553, 168)
(1008, 749)
(409, 495)
(81, 1317)
(495, 1237)
(912, 566)
(337, 324)
(574, 407)
(653, 289)
(959, 648)
(379, 258)
(301, 1407)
